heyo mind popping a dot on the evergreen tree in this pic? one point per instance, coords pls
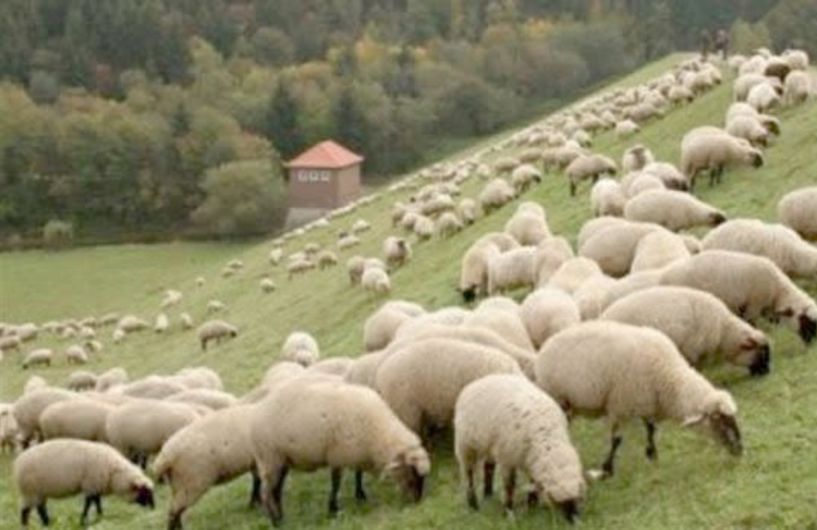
(282, 122)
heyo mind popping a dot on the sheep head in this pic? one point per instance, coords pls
(718, 419)
(409, 469)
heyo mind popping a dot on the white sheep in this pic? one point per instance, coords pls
(172, 297)
(380, 327)
(275, 256)
(547, 311)
(300, 347)
(61, 468)
(777, 242)
(299, 266)
(495, 194)
(111, 378)
(674, 210)
(35, 382)
(30, 405)
(699, 324)
(528, 227)
(612, 244)
(423, 227)
(763, 97)
(626, 128)
(376, 281)
(448, 224)
(474, 269)
(636, 158)
(796, 210)
(705, 149)
(214, 306)
(573, 273)
(360, 226)
(749, 285)
(213, 450)
(9, 431)
(621, 372)
(658, 249)
(468, 210)
(348, 241)
(607, 198)
(38, 357)
(81, 419)
(749, 128)
(131, 324)
(589, 167)
(267, 285)
(506, 421)
(670, 176)
(501, 315)
(162, 323)
(338, 426)
(524, 176)
(512, 269)
(81, 380)
(216, 330)
(396, 251)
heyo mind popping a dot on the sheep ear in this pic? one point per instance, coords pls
(693, 420)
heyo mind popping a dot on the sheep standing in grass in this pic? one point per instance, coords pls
(213, 450)
(267, 285)
(162, 323)
(658, 249)
(376, 281)
(622, 372)
(749, 285)
(796, 210)
(512, 269)
(528, 225)
(348, 241)
(779, 243)
(523, 177)
(468, 211)
(81, 380)
(573, 273)
(338, 426)
(299, 266)
(38, 357)
(495, 195)
(589, 167)
(607, 198)
(300, 347)
(448, 224)
(61, 468)
(626, 128)
(763, 97)
(668, 174)
(506, 420)
(699, 324)
(381, 326)
(705, 149)
(636, 158)
(216, 330)
(8, 429)
(131, 324)
(29, 406)
(547, 311)
(674, 210)
(396, 251)
(797, 88)
(749, 128)
(81, 419)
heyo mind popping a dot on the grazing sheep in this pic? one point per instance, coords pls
(657, 250)
(61, 468)
(623, 371)
(468, 211)
(699, 324)
(639, 182)
(474, 269)
(749, 128)
(81, 419)
(626, 128)
(140, 427)
(495, 195)
(512, 269)
(613, 247)
(214, 306)
(327, 258)
(547, 311)
(348, 241)
(553, 252)
(573, 273)
(131, 324)
(508, 421)
(38, 357)
(376, 281)
(30, 405)
(501, 315)
(607, 198)
(448, 224)
(423, 227)
(670, 176)
(354, 267)
(299, 266)
(744, 84)
(11, 342)
(796, 59)
(528, 227)
(589, 167)
(797, 88)
(162, 323)
(76, 354)
(421, 381)
(8, 429)
(796, 210)
(118, 335)
(763, 97)
(636, 158)
(338, 426)
(111, 378)
(81, 380)
(523, 177)
(267, 285)
(213, 450)
(381, 326)
(215, 330)
(300, 347)
(674, 210)
(749, 285)
(360, 226)
(707, 150)
(397, 252)
(200, 281)
(172, 297)
(779, 243)
(275, 256)
(736, 110)
(26, 332)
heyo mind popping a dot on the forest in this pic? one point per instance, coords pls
(148, 119)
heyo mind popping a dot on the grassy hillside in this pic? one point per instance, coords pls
(694, 484)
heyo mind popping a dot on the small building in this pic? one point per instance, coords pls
(324, 177)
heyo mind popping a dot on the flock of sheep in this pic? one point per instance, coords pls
(614, 329)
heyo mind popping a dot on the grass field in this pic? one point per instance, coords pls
(693, 485)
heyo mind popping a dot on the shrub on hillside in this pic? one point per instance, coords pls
(58, 234)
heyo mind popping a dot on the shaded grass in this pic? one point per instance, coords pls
(694, 484)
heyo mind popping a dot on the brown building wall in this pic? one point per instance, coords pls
(348, 184)
(323, 188)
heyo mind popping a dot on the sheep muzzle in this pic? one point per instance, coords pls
(760, 366)
(807, 328)
(570, 509)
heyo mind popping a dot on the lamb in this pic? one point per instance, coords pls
(206, 397)
(468, 211)
(61, 468)
(421, 381)
(573, 272)
(111, 378)
(29, 406)
(81, 419)
(589, 167)
(796, 210)
(376, 281)
(547, 311)
(300, 347)
(215, 330)
(213, 450)
(131, 324)
(140, 427)
(674, 210)
(749, 285)
(338, 426)
(267, 285)
(763, 97)
(528, 227)
(636, 158)
(396, 250)
(658, 249)
(706, 150)
(607, 198)
(623, 371)
(507, 421)
(777, 242)
(495, 194)
(38, 357)
(699, 324)
(81, 380)
(381, 326)
(448, 224)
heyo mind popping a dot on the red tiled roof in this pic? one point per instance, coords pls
(328, 155)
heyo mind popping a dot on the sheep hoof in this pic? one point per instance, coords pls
(652, 454)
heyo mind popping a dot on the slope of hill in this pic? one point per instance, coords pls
(694, 485)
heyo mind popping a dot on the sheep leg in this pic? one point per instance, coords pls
(360, 493)
(98, 504)
(609, 464)
(472, 493)
(273, 495)
(337, 474)
(652, 451)
(24, 515)
(174, 520)
(488, 479)
(255, 492)
(42, 511)
(509, 480)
